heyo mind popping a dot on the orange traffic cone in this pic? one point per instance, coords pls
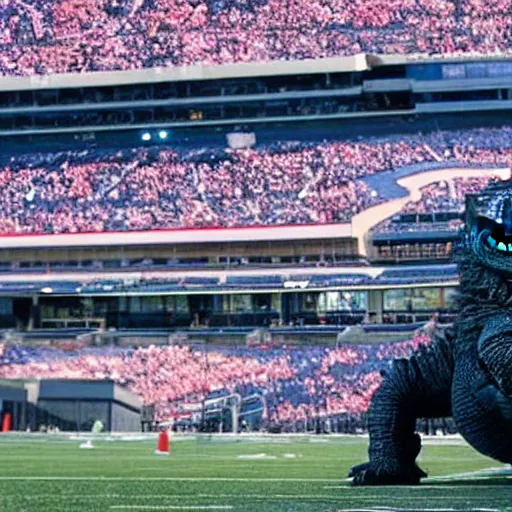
(163, 446)
(7, 422)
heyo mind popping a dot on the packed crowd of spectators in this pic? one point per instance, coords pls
(446, 196)
(297, 382)
(441, 197)
(281, 184)
(62, 36)
(157, 188)
(420, 227)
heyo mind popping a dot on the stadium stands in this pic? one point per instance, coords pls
(297, 382)
(286, 183)
(73, 36)
(389, 276)
(425, 215)
(255, 281)
(417, 274)
(432, 228)
(445, 197)
(283, 184)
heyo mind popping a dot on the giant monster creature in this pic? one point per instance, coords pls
(466, 372)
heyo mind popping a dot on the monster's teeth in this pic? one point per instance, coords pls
(492, 243)
(509, 247)
(502, 247)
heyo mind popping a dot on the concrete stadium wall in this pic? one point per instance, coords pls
(185, 73)
(124, 419)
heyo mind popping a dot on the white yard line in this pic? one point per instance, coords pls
(369, 509)
(422, 486)
(163, 479)
(489, 473)
(482, 473)
(408, 509)
(356, 510)
(171, 507)
(447, 509)
(241, 496)
(194, 495)
(178, 496)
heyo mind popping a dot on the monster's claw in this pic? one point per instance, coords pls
(383, 473)
(354, 470)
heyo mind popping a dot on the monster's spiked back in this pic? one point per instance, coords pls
(466, 372)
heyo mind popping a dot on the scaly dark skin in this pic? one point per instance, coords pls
(466, 372)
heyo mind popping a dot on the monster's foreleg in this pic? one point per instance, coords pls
(482, 390)
(418, 387)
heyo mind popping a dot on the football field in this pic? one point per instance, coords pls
(45, 473)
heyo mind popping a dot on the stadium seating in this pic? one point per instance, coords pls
(282, 184)
(297, 382)
(337, 280)
(265, 281)
(436, 199)
(417, 274)
(441, 197)
(389, 276)
(66, 36)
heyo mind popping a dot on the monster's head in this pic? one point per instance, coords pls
(489, 226)
(489, 283)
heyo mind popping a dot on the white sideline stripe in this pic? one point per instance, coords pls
(213, 496)
(491, 472)
(408, 509)
(245, 496)
(426, 483)
(482, 473)
(447, 509)
(172, 507)
(444, 509)
(356, 510)
(184, 496)
(419, 487)
(230, 507)
(163, 479)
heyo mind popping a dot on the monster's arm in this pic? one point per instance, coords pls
(494, 386)
(418, 387)
(495, 350)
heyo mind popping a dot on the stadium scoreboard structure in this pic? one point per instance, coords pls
(68, 405)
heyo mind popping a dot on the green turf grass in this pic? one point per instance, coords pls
(49, 474)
